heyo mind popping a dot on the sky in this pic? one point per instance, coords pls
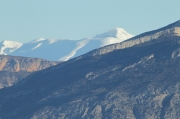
(26, 20)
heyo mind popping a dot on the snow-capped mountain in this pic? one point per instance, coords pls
(7, 47)
(64, 49)
(135, 79)
(119, 33)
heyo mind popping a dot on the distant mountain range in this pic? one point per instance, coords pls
(135, 79)
(62, 49)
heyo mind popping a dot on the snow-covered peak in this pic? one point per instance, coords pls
(10, 44)
(7, 46)
(42, 40)
(64, 49)
(122, 34)
(37, 40)
(119, 33)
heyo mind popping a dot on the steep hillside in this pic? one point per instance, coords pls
(8, 78)
(140, 81)
(169, 30)
(16, 64)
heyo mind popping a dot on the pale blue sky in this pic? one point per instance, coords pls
(26, 20)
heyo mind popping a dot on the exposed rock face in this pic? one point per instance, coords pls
(13, 69)
(138, 82)
(170, 30)
(16, 64)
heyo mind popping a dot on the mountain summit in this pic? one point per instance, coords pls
(119, 33)
(136, 79)
(167, 31)
(63, 49)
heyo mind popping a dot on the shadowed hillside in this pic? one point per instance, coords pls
(140, 81)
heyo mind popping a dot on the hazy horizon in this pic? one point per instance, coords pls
(23, 21)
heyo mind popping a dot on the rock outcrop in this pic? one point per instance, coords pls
(13, 69)
(137, 82)
(16, 64)
(170, 30)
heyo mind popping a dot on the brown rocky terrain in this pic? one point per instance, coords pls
(13, 69)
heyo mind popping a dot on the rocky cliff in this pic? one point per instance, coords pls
(137, 82)
(16, 64)
(13, 69)
(167, 31)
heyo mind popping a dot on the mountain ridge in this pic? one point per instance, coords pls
(117, 33)
(172, 29)
(7, 46)
(137, 82)
(13, 68)
(64, 49)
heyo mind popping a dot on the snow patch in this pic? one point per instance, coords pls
(51, 41)
(9, 46)
(110, 40)
(119, 33)
(37, 46)
(37, 40)
(79, 45)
